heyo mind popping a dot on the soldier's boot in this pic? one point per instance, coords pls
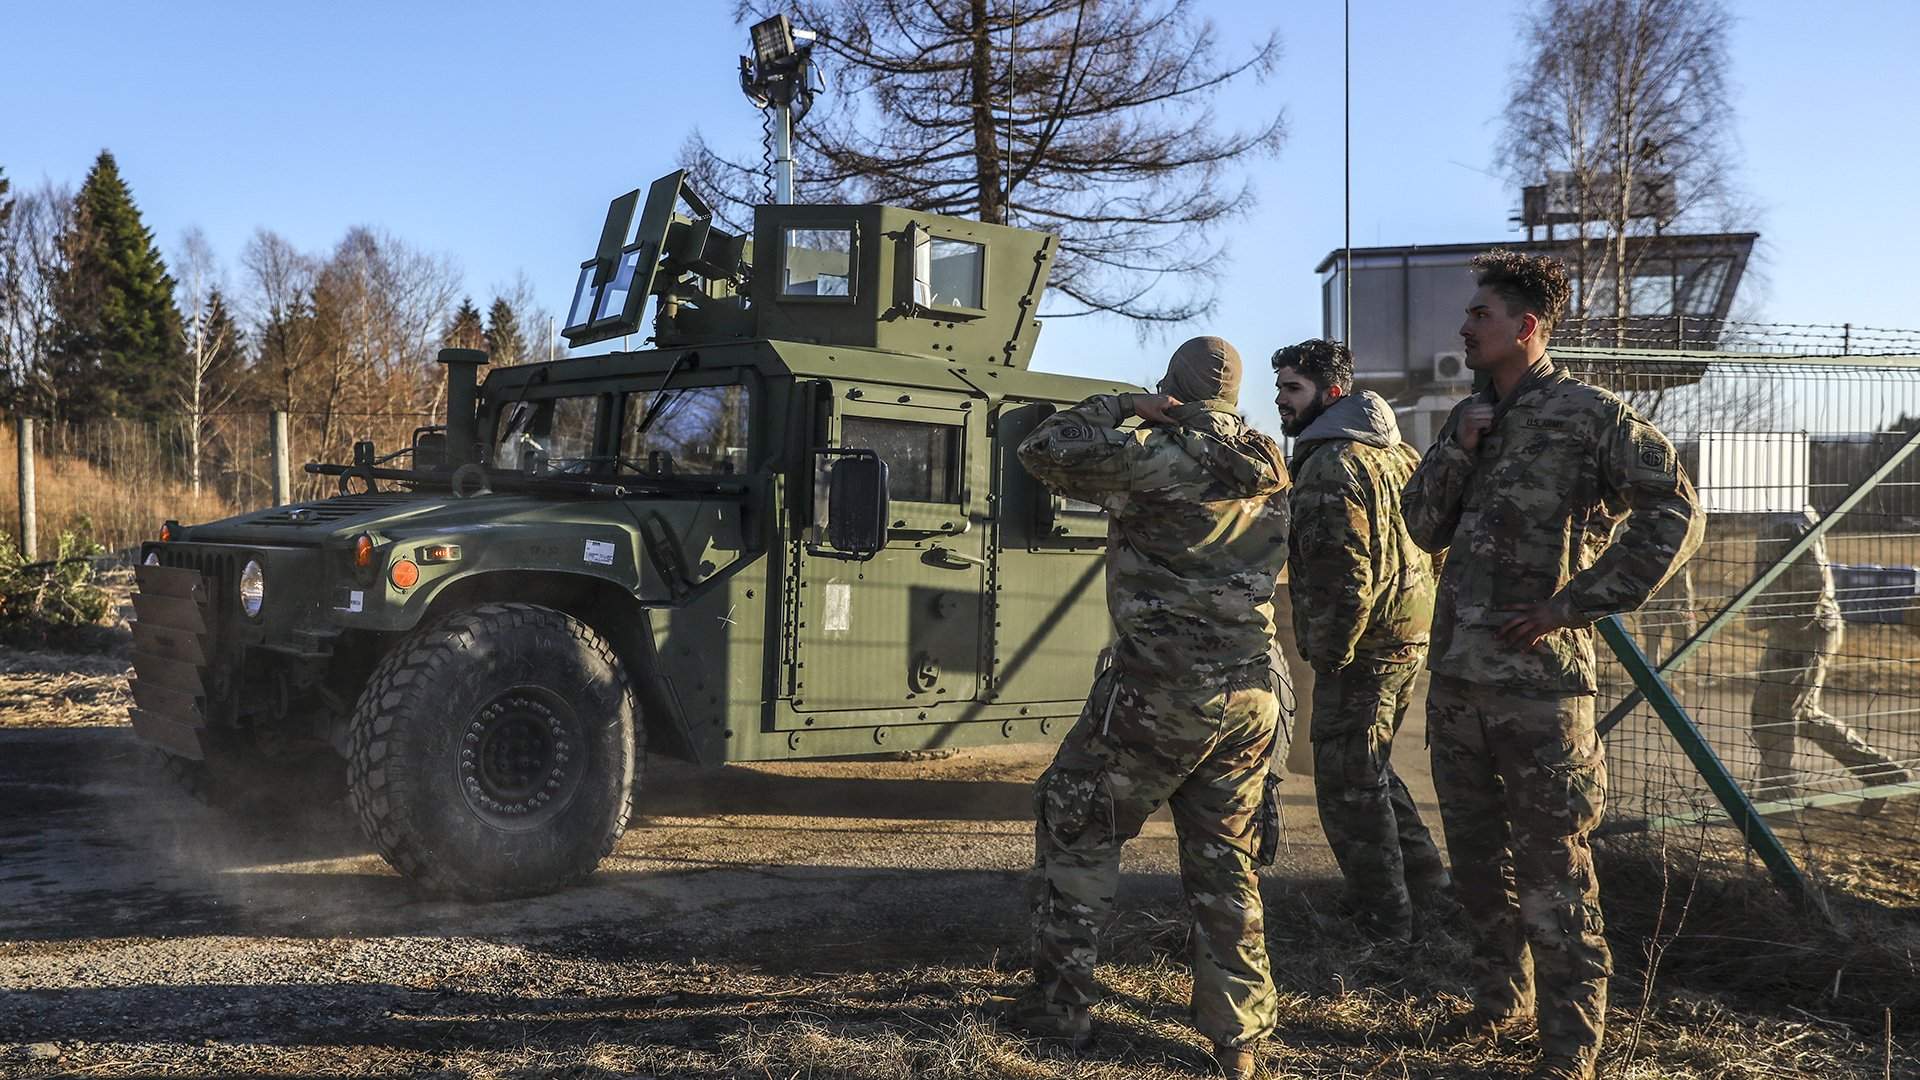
(1564, 1067)
(1045, 1021)
(1236, 1062)
(1482, 1025)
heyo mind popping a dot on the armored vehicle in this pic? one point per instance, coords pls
(795, 526)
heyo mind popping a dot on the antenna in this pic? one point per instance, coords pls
(779, 76)
(1346, 276)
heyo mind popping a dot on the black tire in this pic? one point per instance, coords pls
(495, 752)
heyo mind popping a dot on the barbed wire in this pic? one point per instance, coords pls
(1690, 334)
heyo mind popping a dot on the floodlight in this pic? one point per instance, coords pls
(772, 40)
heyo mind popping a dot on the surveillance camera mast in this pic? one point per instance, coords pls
(792, 525)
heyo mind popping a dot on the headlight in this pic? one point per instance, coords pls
(253, 588)
(152, 559)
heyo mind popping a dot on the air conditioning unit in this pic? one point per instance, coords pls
(1450, 366)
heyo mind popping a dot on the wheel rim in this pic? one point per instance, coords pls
(522, 758)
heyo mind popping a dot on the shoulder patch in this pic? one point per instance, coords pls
(1653, 453)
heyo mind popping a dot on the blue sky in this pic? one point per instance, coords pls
(495, 133)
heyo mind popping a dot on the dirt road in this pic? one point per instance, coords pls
(808, 919)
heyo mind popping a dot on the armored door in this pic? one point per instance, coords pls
(902, 630)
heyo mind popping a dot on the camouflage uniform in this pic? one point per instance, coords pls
(1804, 629)
(1520, 772)
(1186, 715)
(1362, 604)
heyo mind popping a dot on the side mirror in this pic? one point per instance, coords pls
(851, 502)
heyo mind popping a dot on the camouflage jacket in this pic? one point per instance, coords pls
(1360, 585)
(1196, 535)
(1528, 520)
(1802, 599)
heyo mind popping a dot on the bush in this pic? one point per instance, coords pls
(41, 603)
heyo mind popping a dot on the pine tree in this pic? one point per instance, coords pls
(464, 330)
(116, 348)
(504, 339)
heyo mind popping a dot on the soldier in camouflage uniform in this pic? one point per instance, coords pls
(1362, 604)
(1523, 485)
(1186, 714)
(1804, 629)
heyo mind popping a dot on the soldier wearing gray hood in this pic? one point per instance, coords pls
(1362, 608)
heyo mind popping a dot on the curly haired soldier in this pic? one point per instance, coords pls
(1523, 484)
(1186, 714)
(1362, 605)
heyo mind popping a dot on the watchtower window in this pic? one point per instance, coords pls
(959, 269)
(817, 262)
(923, 460)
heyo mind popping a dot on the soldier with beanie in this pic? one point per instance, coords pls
(1186, 714)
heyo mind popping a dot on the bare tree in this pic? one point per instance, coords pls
(30, 258)
(1621, 108)
(212, 346)
(279, 292)
(1086, 118)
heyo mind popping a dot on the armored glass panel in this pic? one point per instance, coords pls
(817, 262)
(613, 299)
(698, 431)
(582, 310)
(958, 273)
(922, 459)
(560, 428)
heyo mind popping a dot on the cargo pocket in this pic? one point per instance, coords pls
(1074, 807)
(1574, 782)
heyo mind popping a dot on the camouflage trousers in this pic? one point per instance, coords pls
(1136, 746)
(1384, 850)
(1522, 780)
(1787, 706)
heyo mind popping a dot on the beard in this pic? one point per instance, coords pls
(1292, 428)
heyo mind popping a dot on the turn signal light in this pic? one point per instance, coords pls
(435, 553)
(404, 575)
(363, 551)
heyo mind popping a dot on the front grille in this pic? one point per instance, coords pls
(218, 568)
(334, 509)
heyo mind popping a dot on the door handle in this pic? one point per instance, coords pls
(950, 559)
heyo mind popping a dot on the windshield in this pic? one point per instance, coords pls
(694, 431)
(560, 428)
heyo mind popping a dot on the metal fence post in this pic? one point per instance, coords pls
(29, 525)
(282, 470)
(1754, 828)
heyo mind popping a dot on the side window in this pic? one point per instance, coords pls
(923, 460)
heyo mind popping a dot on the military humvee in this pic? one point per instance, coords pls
(795, 527)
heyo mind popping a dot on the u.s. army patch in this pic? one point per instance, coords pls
(1654, 455)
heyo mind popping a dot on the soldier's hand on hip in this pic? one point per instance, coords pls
(1528, 625)
(1476, 420)
(1154, 408)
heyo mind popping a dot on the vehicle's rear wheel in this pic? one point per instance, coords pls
(494, 752)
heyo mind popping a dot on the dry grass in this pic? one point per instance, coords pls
(115, 506)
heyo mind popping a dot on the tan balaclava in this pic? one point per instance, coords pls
(1204, 369)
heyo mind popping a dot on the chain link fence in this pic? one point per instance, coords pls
(114, 481)
(1808, 689)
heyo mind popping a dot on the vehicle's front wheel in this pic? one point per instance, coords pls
(494, 752)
